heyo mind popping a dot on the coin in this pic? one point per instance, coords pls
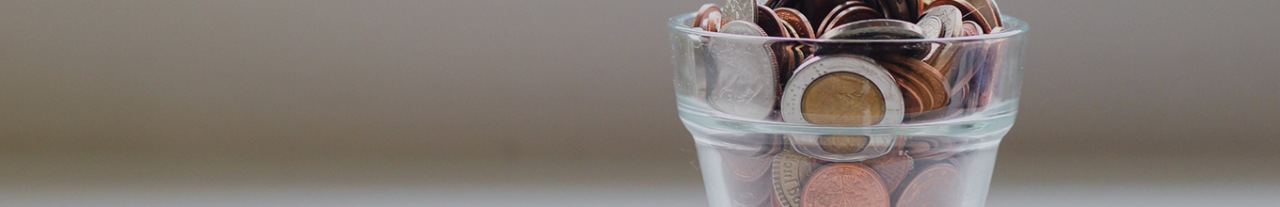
(703, 12)
(932, 79)
(892, 167)
(851, 14)
(914, 82)
(843, 144)
(949, 20)
(712, 23)
(745, 165)
(796, 20)
(930, 148)
(875, 29)
(912, 101)
(906, 10)
(860, 68)
(841, 90)
(967, 12)
(936, 185)
(790, 171)
(844, 185)
(782, 3)
(769, 22)
(989, 11)
(817, 10)
(970, 28)
(755, 193)
(739, 10)
(843, 99)
(931, 26)
(744, 80)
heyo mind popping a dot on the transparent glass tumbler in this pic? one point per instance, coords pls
(759, 109)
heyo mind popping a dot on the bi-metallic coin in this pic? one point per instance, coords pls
(842, 90)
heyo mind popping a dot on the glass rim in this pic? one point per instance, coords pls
(1013, 27)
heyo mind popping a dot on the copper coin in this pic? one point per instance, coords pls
(767, 20)
(852, 14)
(705, 10)
(936, 185)
(914, 81)
(970, 28)
(744, 165)
(875, 29)
(843, 99)
(933, 79)
(892, 167)
(712, 23)
(989, 11)
(772, 145)
(790, 171)
(968, 12)
(831, 14)
(797, 21)
(818, 10)
(906, 10)
(912, 101)
(930, 148)
(844, 185)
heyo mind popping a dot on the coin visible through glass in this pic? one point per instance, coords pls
(844, 185)
(790, 171)
(745, 82)
(892, 167)
(843, 99)
(843, 144)
(936, 185)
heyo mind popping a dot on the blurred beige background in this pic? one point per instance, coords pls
(411, 103)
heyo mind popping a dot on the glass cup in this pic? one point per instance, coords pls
(816, 122)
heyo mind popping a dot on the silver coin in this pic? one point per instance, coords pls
(745, 73)
(739, 10)
(931, 26)
(949, 18)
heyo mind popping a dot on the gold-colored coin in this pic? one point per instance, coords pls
(843, 99)
(843, 144)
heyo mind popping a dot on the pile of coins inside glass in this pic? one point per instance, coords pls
(915, 171)
(845, 84)
(880, 82)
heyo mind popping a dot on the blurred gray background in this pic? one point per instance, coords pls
(566, 103)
